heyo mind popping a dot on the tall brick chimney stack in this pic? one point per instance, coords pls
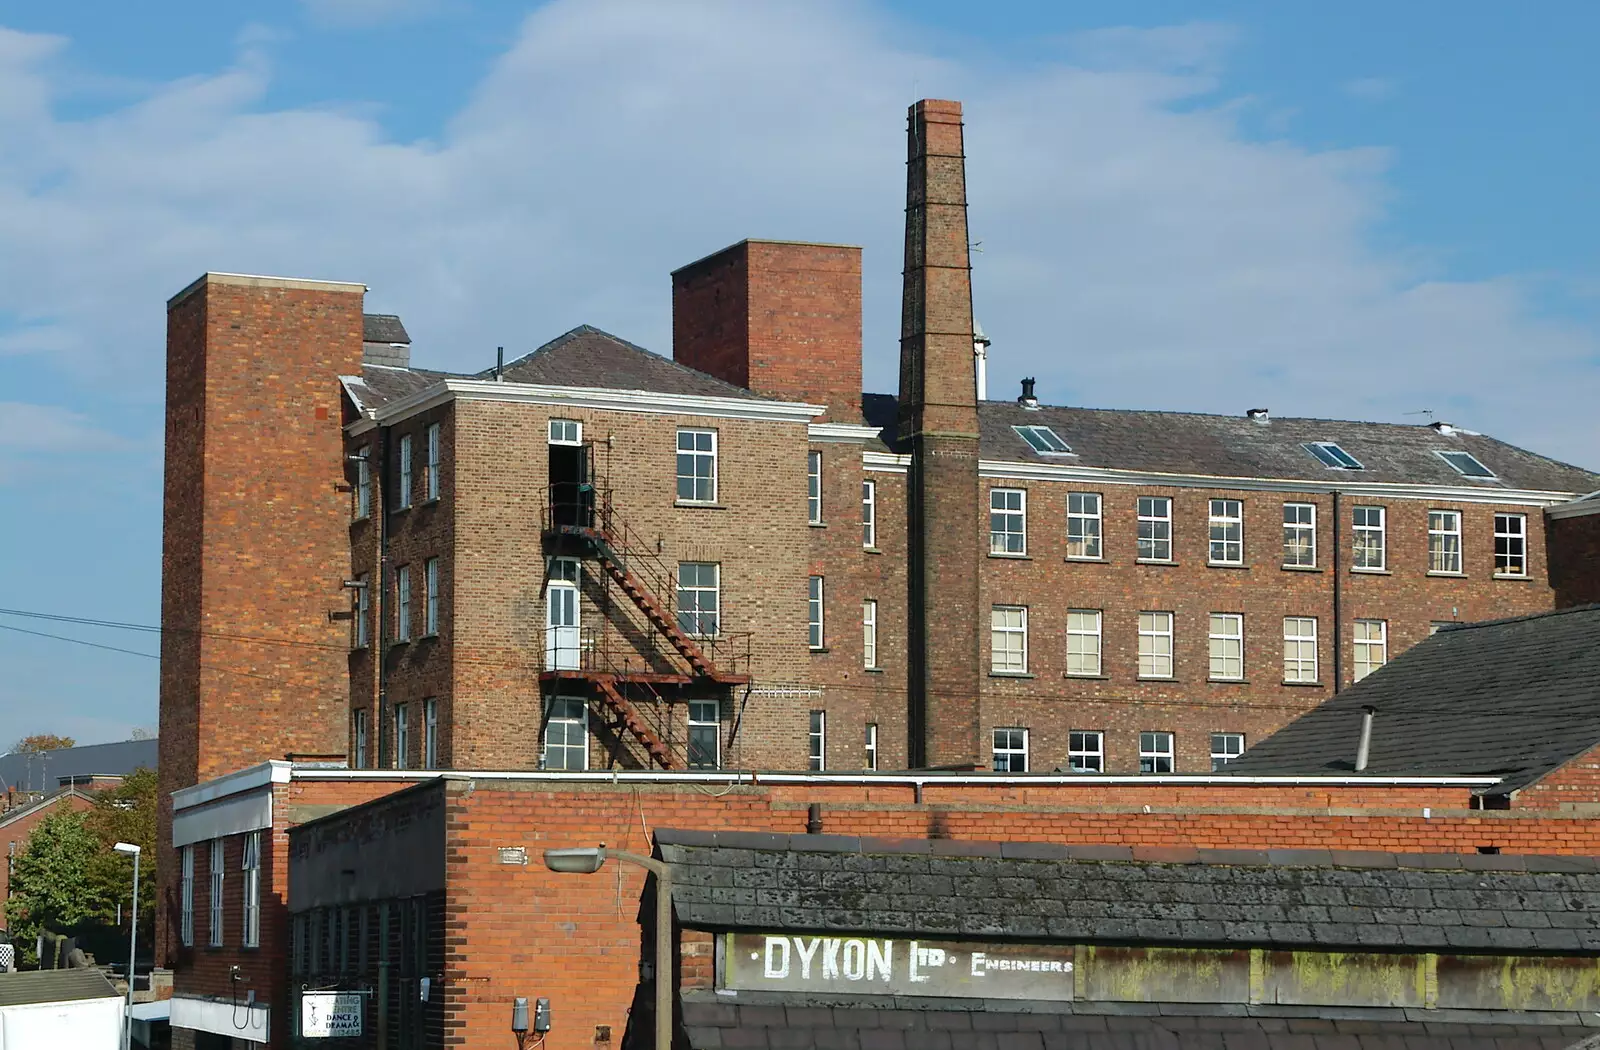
(255, 533)
(939, 419)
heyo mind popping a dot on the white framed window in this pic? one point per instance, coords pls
(698, 598)
(566, 432)
(697, 466)
(1227, 646)
(186, 898)
(1444, 541)
(430, 733)
(1008, 639)
(430, 474)
(402, 736)
(869, 634)
(1372, 646)
(566, 734)
(1155, 752)
(360, 733)
(1155, 528)
(403, 497)
(250, 866)
(363, 482)
(1227, 532)
(814, 487)
(1155, 645)
(430, 597)
(1225, 747)
(1086, 751)
(1083, 642)
(1370, 541)
(872, 745)
(1300, 535)
(1083, 525)
(705, 739)
(1008, 521)
(218, 873)
(1511, 545)
(1299, 648)
(402, 604)
(869, 514)
(1043, 440)
(817, 741)
(363, 611)
(1331, 455)
(1010, 750)
(1465, 463)
(814, 635)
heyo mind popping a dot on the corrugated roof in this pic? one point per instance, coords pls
(54, 986)
(1513, 698)
(43, 772)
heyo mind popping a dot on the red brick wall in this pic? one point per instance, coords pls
(255, 544)
(1575, 558)
(17, 826)
(776, 317)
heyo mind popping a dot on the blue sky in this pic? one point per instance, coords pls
(1356, 210)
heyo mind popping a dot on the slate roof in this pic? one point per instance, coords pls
(589, 357)
(27, 772)
(1513, 698)
(1235, 446)
(377, 385)
(711, 1025)
(383, 328)
(54, 986)
(1096, 894)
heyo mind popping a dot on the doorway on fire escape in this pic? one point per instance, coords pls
(561, 631)
(571, 484)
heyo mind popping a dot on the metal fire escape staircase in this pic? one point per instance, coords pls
(582, 521)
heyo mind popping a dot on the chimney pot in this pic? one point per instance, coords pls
(1443, 427)
(1364, 745)
(1028, 400)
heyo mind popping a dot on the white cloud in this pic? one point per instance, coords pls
(1139, 248)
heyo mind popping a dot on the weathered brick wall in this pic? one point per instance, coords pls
(252, 558)
(776, 317)
(1575, 558)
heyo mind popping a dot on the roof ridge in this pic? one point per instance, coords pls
(588, 329)
(1547, 613)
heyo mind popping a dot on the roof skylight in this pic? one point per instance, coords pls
(1465, 463)
(1043, 440)
(1333, 456)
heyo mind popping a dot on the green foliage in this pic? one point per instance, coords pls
(52, 884)
(126, 813)
(40, 742)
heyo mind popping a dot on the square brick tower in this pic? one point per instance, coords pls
(939, 420)
(255, 533)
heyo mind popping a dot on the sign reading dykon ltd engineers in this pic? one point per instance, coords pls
(883, 966)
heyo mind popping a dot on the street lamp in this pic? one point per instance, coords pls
(133, 939)
(586, 860)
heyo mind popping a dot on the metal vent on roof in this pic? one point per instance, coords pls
(1043, 440)
(1331, 455)
(1466, 464)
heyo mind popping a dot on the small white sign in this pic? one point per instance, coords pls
(326, 1015)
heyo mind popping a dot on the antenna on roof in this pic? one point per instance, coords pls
(1420, 412)
(499, 364)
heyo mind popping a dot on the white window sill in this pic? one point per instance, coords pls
(871, 550)
(1228, 681)
(1302, 568)
(1305, 685)
(1011, 555)
(1512, 576)
(817, 524)
(1088, 677)
(1089, 561)
(1226, 565)
(1441, 572)
(1154, 561)
(1011, 674)
(1155, 678)
(699, 505)
(1370, 572)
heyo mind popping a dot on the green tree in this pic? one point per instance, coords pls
(40, 742)
(126, 813)
(53, 885)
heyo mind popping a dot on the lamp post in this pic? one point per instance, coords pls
(133, 939)
(586, 860)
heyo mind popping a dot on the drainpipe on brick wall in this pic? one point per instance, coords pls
(1338, 621)
(382, 633)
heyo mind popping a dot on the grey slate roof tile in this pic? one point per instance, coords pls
(1445, 707)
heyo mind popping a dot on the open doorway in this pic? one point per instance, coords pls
(571, 487)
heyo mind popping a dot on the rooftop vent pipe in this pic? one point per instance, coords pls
(980, 354)
(1027, 400)
(499, 364)
(1362, 748)
(1442, 427)
(1260, 415)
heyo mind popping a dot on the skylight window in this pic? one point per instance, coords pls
(1043, 440)
(1465, 463)
(1333, 456)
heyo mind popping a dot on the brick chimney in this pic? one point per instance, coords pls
(255, 532)
(939, 419)
(777, 317)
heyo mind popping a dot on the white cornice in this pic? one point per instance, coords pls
(990, 468)
(1578, 508)
(571, 397)
(848, 433)
(885, 462)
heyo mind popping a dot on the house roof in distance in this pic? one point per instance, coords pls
(1513, 698)
(54, 986)
(43, 772)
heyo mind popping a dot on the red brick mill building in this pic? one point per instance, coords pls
(581, 596)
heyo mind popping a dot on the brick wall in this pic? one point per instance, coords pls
(776, 317)
(1575, 558)
(250, 553)
(17, 825)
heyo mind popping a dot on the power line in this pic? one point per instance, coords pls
(134, 652)
(151, 629)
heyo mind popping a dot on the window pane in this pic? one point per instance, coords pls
(1155, 753)
(1227, 532)
(1300, 534)
(1008, 639)
(1225, 747)
(1155, 645)
(1083, 642)
(1299, 649)
(1086, 751)
(1155, 528)
(814, 611)
(814, 487)
(1227, 645)
(869, 514)
(1010, 753)
(1007, 521)
(1083, 525)
(697, 598)
(1510, 545)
